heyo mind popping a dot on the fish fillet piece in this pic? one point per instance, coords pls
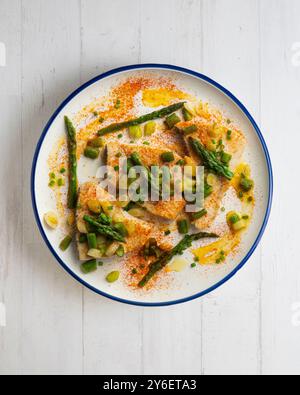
(235, 146)
(149, 155)
(139, 231)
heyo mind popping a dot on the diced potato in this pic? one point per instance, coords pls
(149, 128)
(211, 145)
(213, 180)
(71, 219)
(232, 214)
(119, 217)
(130, 226)
(51, 219)
(94, 253)
(108, 208)
(190, 162)
(235, 221)
(122, 204)
(81, 226)
(188, 184)
(111, 250)
(94, 206)
(241, 224)
(137, 212)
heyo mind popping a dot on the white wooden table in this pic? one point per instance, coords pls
(52, 325)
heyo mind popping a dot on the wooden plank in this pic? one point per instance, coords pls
(110, 35)
(11, 190)
(172, 342)
(231, 320)
(112, 331)
(281, 115)
(51, 300)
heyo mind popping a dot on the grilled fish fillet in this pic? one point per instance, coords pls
(235, 146)
(139, 231)
(149, 155)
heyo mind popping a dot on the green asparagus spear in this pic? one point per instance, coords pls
(72, 147)
(166, 257)
(104, 230)
(104, 219)
(138, 121)
(136, 160)
(210, 161)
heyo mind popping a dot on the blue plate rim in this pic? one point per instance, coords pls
(199, 76)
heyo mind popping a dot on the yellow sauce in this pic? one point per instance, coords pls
(161, 97)
(209, 254)
(178, 265)
(248, 206)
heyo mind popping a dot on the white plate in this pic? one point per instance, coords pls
(189, 284)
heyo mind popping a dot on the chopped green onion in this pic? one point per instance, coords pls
(89, 266)
(135, 132)
(193, 265)
(167, 157)
(246, 184)
(181, 162)
(97, 142)
(120, 136)
(120, 251)
(82, 238)
(92, 240)
(60, 182)
(183, 226)
(91, 153)
(172, 120)
(187, 116)
(226, 158)
(200, 214)
(189, 130)
(113, 277)
(118, 104)
(208, 189)
(167, 232)
(149, 128)
(234, 218)
(65, 243)
(62, 170)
